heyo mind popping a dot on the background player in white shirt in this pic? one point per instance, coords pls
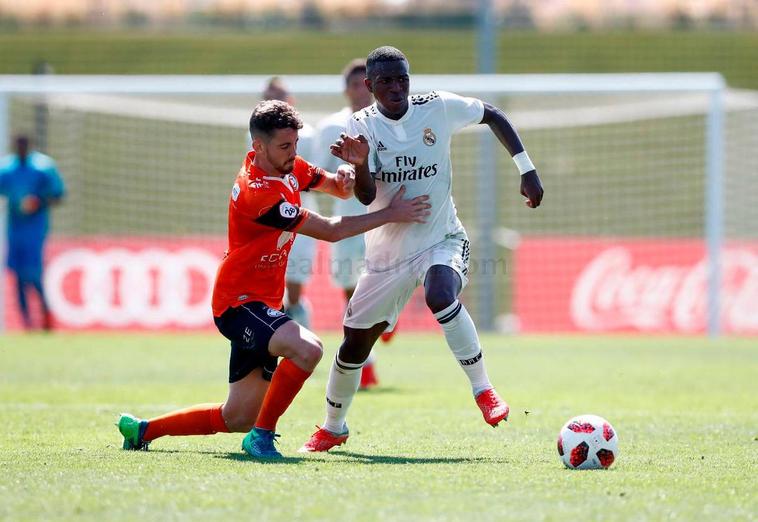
(399, 141)
(348, 254)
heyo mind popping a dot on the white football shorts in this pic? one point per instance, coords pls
(381, 296)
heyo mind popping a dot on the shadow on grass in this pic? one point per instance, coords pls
(240, 457)
(382, 390)
(359, 458)
(392, 459)
(184, 451)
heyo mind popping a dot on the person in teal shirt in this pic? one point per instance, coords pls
(31, 183)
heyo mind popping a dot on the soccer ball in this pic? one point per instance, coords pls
(588, 442)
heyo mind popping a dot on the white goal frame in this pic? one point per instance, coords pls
(711, 84)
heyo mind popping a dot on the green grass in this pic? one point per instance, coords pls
(686, 411)
(295, 51)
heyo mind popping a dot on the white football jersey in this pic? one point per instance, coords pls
(327, 132)
(414, 151)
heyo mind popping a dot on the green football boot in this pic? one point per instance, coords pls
(259, 443)
(132, 429)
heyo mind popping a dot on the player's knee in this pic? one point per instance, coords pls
(355, 349)
(309, 353)
(438, 300)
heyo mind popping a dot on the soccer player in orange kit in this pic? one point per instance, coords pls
(264, 216)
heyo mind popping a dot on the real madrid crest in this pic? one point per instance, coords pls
(429, 137)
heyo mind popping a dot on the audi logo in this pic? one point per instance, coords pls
(116, 287)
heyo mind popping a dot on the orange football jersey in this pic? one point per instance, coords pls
(264, 215)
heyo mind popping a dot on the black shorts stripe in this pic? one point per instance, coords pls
(465, 253)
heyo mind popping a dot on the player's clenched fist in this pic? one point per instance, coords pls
(345, 180)
(531, 189)
(352, 149)
(414, 210)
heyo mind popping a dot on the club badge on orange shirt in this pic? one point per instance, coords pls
(429, 137)
(292, 180)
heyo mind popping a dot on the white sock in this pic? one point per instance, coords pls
(463, 341)
(371, 358)
(344, 379)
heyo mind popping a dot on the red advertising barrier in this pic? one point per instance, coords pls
(163, 284)
(560, 285)
(617, 285)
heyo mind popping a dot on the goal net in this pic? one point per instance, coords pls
(649, 222)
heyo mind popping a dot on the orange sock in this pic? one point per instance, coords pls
(287, 381)
(201, 419)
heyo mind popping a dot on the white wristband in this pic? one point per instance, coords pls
(523, 162)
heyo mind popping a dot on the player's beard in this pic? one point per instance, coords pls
(287, 167)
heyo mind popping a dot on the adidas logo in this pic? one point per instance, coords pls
(380, 146)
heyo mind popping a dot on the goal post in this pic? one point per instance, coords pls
(574, 126)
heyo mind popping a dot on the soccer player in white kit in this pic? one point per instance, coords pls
(404, 140)
(348, 254)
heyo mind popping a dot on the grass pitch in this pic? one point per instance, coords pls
(686, 411)
(296, 51)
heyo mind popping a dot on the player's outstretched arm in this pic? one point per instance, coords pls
(355, 150)
(531, 186)
(336, 228)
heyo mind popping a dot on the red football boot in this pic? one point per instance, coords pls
(324, 440)
(494, 409)
(368, 377)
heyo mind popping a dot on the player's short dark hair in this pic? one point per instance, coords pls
(270, 115)
(356, 66)
(381, 55)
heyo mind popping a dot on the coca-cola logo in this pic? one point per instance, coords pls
(612, 292)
